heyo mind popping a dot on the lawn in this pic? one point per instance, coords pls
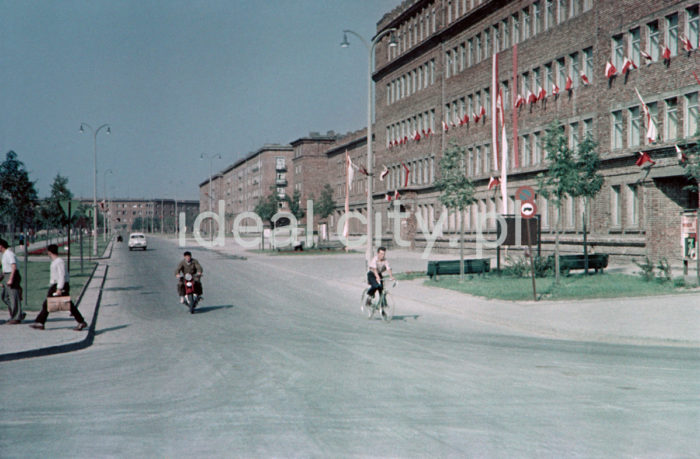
(74, 248)
(38, 282)
(576, 286)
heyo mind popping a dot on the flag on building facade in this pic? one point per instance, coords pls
(610, 70)
(627, 65)
(385, 172)
(569, 83)
(519, 101)
(666, 53)
(531, 98)
(584, 78)
(494, 181)
(555, 90)
(646, 56)
(651, 126)
(682, 158)
(643, 159)
(541, 93)
(686, 43)
(445, 127)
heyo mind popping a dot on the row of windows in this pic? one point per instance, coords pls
(648, 37)
(422, 123)
(414, 31)
(519, 27)
(666, 115)
(421, 172)
(411, 82)
(467, 106)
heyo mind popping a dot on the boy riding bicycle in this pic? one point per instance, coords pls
(377, 266)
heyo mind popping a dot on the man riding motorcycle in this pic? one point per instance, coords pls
(186, 266)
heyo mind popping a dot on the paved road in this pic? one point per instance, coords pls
(279, 362)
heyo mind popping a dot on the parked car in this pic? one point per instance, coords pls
(137, 241)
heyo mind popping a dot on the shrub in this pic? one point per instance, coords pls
(647, 269)
(520, 267)
(664, 268)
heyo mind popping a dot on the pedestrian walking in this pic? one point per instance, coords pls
(11, 290)
(59, 286)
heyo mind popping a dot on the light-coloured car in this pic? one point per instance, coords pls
(137, 241)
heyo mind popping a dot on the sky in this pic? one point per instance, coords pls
(174, 80)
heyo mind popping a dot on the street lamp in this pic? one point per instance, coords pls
(370, 157)
(211, 159)
(104, 197)
(94, 187)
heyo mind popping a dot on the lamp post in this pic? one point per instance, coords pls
(211, 159)
(370, 157)
(104, 196)
(94, 187)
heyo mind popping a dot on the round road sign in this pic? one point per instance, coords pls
(528, 209)
(525, 194)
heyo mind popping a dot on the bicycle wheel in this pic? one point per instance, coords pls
(387, 307)
(366, 309)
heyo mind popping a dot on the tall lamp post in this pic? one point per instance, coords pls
(370, 157)
(104, 196)
(211, 159)
(94, 189)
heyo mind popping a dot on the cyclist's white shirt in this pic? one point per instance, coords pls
(380, 266)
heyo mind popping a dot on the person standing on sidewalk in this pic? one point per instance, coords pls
(11, 290)
(59, 287)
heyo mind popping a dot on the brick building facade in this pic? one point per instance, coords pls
(126, 215)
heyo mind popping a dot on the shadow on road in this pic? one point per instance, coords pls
(404, 318)
(202, 309)
(122, 289)
(106, 330)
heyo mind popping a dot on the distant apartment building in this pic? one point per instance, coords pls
(149, 215)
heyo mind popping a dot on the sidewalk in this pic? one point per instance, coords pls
(21, 341)
(668, 320)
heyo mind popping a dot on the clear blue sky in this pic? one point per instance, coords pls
(174, 79)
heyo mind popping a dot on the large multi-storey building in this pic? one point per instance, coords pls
(125, 215)
(437, 85)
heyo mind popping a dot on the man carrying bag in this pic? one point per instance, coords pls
(59, 288)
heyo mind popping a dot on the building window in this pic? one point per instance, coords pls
(470, 53)
(654, 113)
(448, 63)
(573, 136)
(632, 206)
(671, 37)
(536, 21)
(618, 51)
(455, 60)
(526, 24)
(617, 130)
(653, 42)
(562, 10)
(671, 125)
(561, 65)
(506, 95)
(462, 57)
(516, 29)
(506, 34)
(496, 40)
(487, 44)
(692, 115)
(588, 129)
(432, 71)
(635, 129)
(575, 72)
(635, 45)
(693, 25)
(477, 56)
(537, 148)
(525, 160)
(615, 206)
(536, 80)
(548, 14)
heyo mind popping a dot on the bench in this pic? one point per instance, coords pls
(330, 245)
(597, 261)
(471, 266)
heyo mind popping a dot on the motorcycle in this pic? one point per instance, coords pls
(191, 298)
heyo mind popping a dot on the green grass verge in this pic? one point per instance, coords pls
(74, 250)
(577, 286)
(38, 282)
(303, 252)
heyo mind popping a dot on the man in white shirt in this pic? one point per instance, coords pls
(377, 266)
(59, 287)
(11, 286)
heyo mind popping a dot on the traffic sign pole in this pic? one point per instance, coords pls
(532, 263)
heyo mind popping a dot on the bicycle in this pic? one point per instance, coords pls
(383, 303)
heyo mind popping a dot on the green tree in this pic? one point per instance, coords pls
(295, 207)
(457, 191)
(325, 205)
(569, 174)
(267, 207)
(18, 197)
(589, 183)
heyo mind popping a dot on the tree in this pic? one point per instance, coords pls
(18, 197)
(268, 207)
(295, 205)
(325, 205)
(589, 182)
(569, 174)
(457, 191)
(59, 192)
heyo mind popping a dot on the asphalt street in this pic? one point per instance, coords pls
(279, 362)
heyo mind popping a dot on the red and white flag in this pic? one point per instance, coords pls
(628, 64)
(494, 181)
(666, 53)
(651, 126)
(610, 70)
(408, 171)
(384, 173)
(584, 78)
(531, 98)
(475, 117)
(429, 131)
(569, 83)
(465, 120)
(416, 136)
(351, 172)
(482, 112)
(519, 101)
(541, 93)
(396, 195)
(445, 127)
(686, 43)
(388, 196)
(643, 159)
(555, 90)
(646, 56)
(682, 158)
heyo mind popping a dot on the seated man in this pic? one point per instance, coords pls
(191, 266)
(377, 266)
